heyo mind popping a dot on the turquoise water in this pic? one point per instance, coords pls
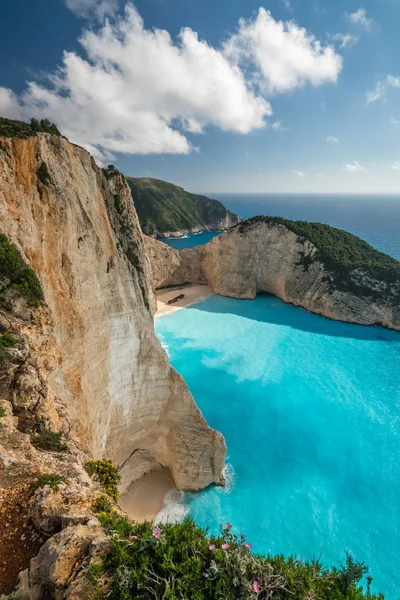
(310, 410)
(190, 241)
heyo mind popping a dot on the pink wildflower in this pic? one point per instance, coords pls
(225, 547)
(205, 574)
(212, 547)
(242, 536)
(156, 532)
(256, 587)
(248, 546)
(228, 526)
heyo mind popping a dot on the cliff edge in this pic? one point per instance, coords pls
(322, 269)
(101, 373)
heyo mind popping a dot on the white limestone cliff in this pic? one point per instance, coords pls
(106, 378)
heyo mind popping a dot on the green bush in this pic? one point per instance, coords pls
(6, 341)
(2, 411)
(181, 561)
(102, 505)
(49, 440)
(22, 130)
(108, 476)
(51, 479)
(16, 274)
(43, 174)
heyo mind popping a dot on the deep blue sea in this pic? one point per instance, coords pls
(310, 410)
(373, 218)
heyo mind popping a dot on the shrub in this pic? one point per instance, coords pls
(49, 440)
(108, 476)
(181, 561)
(102, 505)
(43, 174)
(51, 479)
(6, 341)
(22, 130)
(16, 274)
(2, 411)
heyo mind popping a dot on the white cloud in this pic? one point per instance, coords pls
(381, 87)
(345, 39)
(93, 9)
(396, 166)
(394, 121)
(299, 173)
(141, 91)
(287, 4)
(9, 107)
(278, 126)
(355, 166)
(331, 139)
(285, 56)
(321, 176)
(359, 17)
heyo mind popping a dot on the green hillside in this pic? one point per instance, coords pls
(165, 207)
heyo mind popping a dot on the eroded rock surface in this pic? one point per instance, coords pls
(265, 257)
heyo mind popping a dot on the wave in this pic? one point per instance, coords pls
(174, 511)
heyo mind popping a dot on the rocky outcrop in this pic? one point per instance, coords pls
(167, 210)
(96, 369)
(261, 256)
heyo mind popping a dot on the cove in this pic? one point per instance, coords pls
(310, 410)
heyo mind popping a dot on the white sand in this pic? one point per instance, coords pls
(145, 497)
(193, 294)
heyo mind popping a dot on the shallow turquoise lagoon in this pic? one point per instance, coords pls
(310, 410)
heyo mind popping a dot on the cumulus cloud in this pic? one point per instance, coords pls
(299, 173)
(278, 126)
(9, 104)
(394, 121)
(396, 166)
(284, 56)
(355, 166)
(93, 9)
(345, 39)
(359, 17)
(381, 87)
(141, 91)
(332, 139)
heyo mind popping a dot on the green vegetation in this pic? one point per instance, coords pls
(51, 479)
(110, 172)
(181, 561)
(102, 505)
(16, 274)
(163, 207)
(6, 341)
(43, 174)
(108, 476)
(340, 251)
(2, 411)
(49, 440)
(22, 130)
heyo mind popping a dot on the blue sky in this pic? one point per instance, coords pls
(218, 95)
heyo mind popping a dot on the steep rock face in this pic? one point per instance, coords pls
(167, 210)
(265, 257)
(79, 231)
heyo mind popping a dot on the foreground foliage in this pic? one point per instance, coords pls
(181, 561)
(15, 274)
(108, 476)
(51, 479)
(46, 439)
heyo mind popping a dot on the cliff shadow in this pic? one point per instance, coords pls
(267, 308)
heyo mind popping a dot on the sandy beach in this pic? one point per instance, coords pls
(192, 293)
(145, 497)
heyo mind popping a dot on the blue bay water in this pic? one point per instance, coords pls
(373, 218)
(310, 410)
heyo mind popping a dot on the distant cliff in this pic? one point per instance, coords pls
(167, 210)
(320, 268)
